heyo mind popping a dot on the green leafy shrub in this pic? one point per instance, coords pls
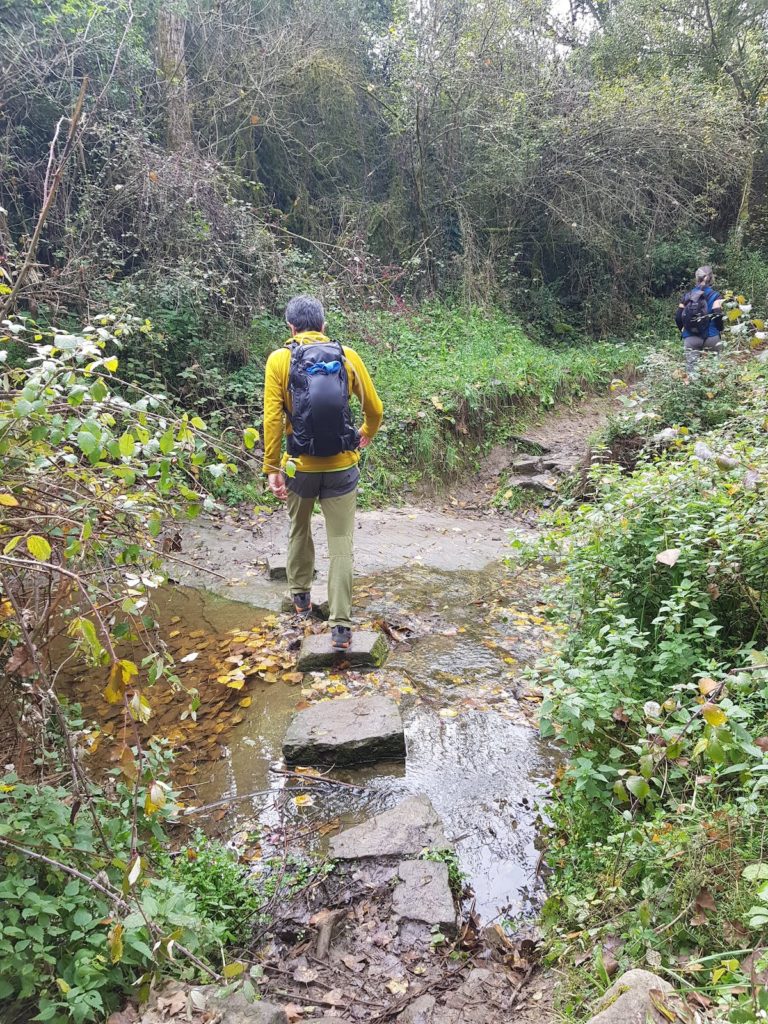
(72, 941)
(660, 690)
(708, 398)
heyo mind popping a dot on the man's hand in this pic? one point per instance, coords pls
(277, 485)
(364, 441)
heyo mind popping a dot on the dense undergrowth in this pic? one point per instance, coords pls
(74, 943)
(660, 695)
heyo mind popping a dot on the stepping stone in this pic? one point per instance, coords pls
(424, 894)
(277, 567)
(539, 482)
(368, 650)
(347, 731)
(320, 606)
(409, 828)
(527, 465)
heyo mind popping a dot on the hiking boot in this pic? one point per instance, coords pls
(341, 638)
(302, 603)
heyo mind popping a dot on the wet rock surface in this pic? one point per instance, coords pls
(424, 894)
(356, 730)
(368, 650)
(410, 827)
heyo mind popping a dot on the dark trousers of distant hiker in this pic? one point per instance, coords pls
(694, 346)
(337, 493)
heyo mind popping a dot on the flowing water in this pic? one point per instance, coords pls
(461, 642)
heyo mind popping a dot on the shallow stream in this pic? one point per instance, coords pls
(460, 641)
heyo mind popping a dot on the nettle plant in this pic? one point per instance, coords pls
(92, 471)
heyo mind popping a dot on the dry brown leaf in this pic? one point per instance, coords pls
(668, 557)
(305, 975)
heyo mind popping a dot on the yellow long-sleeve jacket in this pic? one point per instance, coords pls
(277, 401)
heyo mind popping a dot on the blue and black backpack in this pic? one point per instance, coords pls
(318, 384)
(696, 315)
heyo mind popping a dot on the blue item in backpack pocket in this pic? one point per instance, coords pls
(327, 368)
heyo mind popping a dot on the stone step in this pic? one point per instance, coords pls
(277, 567)
(407, 829)
(424, 894)
(357, 730)
(368, 650)
(540, 482)
(527, 465)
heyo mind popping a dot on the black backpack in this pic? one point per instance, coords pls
(318, 384)
(696, 315)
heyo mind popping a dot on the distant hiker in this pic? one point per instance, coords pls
(307, 386)
(700, 319)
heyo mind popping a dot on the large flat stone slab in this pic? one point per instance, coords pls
(346, 731)
(368, 650)
(407, 829)
(424, 894)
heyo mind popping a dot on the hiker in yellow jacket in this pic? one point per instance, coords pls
(307, 385)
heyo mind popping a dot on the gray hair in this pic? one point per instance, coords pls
(705, 276)
(305, 313)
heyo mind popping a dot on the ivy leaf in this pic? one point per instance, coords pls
(39, 548)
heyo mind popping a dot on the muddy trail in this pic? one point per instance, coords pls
(463, 621)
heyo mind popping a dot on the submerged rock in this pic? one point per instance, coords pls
(346, 731)
(424, 894)
(628, 1000)
(409, 828)
(368, 650)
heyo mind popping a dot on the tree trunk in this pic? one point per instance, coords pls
(172, 76)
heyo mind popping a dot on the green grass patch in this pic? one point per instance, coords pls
(454, 381)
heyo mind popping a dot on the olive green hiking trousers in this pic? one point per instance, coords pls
(337, 494)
